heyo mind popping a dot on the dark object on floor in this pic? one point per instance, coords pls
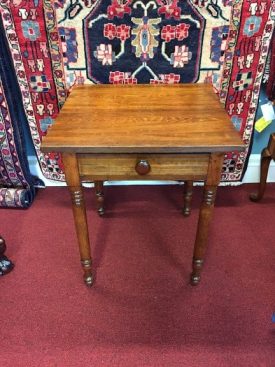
(268, 153)
(5, 264)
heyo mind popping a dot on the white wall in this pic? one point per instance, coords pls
(252, 173)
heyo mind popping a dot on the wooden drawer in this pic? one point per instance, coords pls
(143, 166)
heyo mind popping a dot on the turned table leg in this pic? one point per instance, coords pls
(5, 264)
(267, 155)
(99, 197)
(79, 212)
(205, 215)
(187, 197)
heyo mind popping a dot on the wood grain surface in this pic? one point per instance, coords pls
(142, 118)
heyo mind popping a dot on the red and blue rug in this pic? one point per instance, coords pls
(16, 182)
(57, 44)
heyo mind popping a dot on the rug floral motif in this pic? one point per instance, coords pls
(133, 41)
(143, 42)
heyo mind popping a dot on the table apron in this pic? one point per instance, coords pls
(161, 166)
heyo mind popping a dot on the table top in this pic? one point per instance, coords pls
(182, 118)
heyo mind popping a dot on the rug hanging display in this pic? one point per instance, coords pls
(136, 41)
(129, 42)
(33, 40)
(161, 42)
(16, 182)
(245, 58)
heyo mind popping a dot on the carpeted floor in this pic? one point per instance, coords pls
(141, 310)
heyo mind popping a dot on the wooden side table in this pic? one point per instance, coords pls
(267, 155)
(142, 132)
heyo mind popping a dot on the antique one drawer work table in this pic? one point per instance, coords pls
(143, 132)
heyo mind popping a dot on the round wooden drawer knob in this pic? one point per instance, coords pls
(143, 167)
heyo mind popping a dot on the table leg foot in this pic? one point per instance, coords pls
(101, 212)
(195, 280)
(196, 273)
(89, 280)
(87, 276)
(254, 196)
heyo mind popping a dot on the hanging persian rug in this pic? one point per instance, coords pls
(173, 41)
(245, 58)
(138, 41)
(33, 40)
(134, 41)
(16, 182)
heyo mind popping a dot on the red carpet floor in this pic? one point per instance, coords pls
(141, 310)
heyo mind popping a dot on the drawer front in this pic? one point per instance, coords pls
(143, 166)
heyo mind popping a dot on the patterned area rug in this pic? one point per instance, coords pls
(132, 41)
(249, 39)
(142, 41)
(16, 182)
(34, 44)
